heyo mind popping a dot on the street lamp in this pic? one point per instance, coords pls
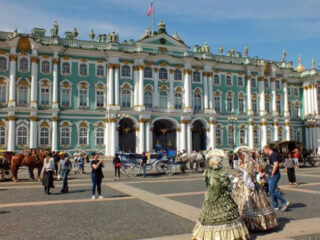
(233, 120)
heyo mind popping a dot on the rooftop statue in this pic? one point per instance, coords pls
(92, 35)
(220, 50)
(55, 31)
(75, 33)
(284, 55)
(146, 34)
(246, 51)
(232, 52)
(206, 48)
(113, 37)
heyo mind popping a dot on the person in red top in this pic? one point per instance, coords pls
(296, 156)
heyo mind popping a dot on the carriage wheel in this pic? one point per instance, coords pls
(169, 169)
(160, 167)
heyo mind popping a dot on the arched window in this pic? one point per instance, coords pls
(100, 136)
(240, 81)
(254, 104)
(269, 136)
(23, 96)
(266, 84)
(148, 100)
(100, 71)
(228, 81)
(83, 69)
(231, 136)
(253, 83)
(125, 71)
(229, 103)
(45, 66)
(296, 110)
(216, 80)
(219, 135)
(83, 97)
(196, 102)
(66, 96)
(22, 137)
(196, 77)
(3, 64)
(177, 75)
(178, 101)
(65, 136)
(147, 72)
(83, 136)
(66, 68)
(278, 105)
(23, 65)
(299, 136)
(241, 104)
(242, 136)
(99, 96)
(2, 136)
(255, 137)
(44, 95)
(217, 103)
(267, 105)
(163, 74)
(280, 135)
(3, 93)
(125, 98)
(44, 136)
(163, 100)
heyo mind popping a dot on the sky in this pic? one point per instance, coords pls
(266, 27)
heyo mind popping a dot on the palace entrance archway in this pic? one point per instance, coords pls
(164, 134)
(127, 135)
(198, 136)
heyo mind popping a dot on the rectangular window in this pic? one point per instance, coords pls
(65, 97)
(242, 137)
(229, 105)
(218, 136)
(254, 106)
(44, 96)
(230, 137)
(267, 106)
(216, 80)
(65, 136)
(240, 82)
(217, 104)
(278, 106)
(296, 92)
(241, 105)
(3, 94)
(255, 137)
(83, 98)
(100, 98)
(228, 81)
(44, 136)
(253, 83)
(278, 84)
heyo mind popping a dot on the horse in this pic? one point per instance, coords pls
(29, 161)
(191, 159)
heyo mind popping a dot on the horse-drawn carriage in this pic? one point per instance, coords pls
(286, 147)
(5, 163)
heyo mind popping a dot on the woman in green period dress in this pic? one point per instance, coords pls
(219, 218)
(253, 204)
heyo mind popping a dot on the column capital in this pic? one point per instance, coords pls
(212, 122)
(276, 124)
(263, 123)
(187, 71)
(55, 61)
(251, 123)
(13, 58)
(155, 69)
(12, 118)
(287, 124)
(261, 78)
(34, 59)
(284, 80)
(33, 118)
(273, 79)
(54, 119)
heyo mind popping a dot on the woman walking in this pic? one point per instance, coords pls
(117, 166)
(96, 175)
(289, 165)
(48, 170)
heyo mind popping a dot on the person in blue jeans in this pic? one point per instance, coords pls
(274, 178)
(96, 175)
(65, 168)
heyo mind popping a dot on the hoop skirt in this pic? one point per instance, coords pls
(219, 218)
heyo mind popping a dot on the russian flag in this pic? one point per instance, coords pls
(151, 8)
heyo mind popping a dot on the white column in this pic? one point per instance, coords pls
(12, 81)
(54, 134)
(156, 88)
(112, 137)
(287, 130)
(212, 134)
(116, 86)
(107, 138)
(141, 136)
(305, 101)
(183, 136)
(33, 133)
(276, 131)
(110, 85)
(310, 137)
(249, 96)
(262, 96)
(189, 137)
(315, 99)
(11, 133)
(307, 137)
(274, 97)
(148, 143)
(34, 79)
(141, 88)
(178, 136)
(137, 140)
(136, 86)
(171, 101)
(187, 90)
(309, 101)
(205, 89)
(285, 92)
(263, 134)
(55, 103)
(250, 134)
(210, 88)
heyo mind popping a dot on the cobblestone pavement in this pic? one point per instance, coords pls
(158, 207)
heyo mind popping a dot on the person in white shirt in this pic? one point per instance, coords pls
(47, 171)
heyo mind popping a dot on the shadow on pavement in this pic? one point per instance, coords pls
(4, 212)
(282, 222)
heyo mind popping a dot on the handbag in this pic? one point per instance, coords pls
(118, 164)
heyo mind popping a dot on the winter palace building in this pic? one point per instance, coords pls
(66, 94)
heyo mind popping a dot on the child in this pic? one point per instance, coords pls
(289, 164)
(262, 179)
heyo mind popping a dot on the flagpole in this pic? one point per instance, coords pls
(153, 18)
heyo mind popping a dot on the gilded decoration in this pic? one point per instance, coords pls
(216, 71)
(188, 71)
(13, 58)
(100, 60)
(163, 49)
(263, 124)
(197, 68)
(24, 44)
(100, 124)
(275, 124)
(44, 124)
(251, 123)
(65, 124)
(155, 70)
(149, 64)
(178, 66)
(163, 64)
(66, 57)
(34, 59)
(12, 118)
(55, 61)
(33, 118)
(287, 124)
(24, 83)
(84, 60)
(148, 88)
(212, 122)
(83, 124)
(2, 80)
(3, 52)
(126, 86)
(2, 124)
(66, 85)
(171, 71)
(84, 86)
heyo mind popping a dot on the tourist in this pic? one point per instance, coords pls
(274, 178)
(296, 156)
(65, 168)
(143, 164)
(219, 216)
(47, 171)
(117, 166)
(96, 175)
(289, 164)
(253, 203)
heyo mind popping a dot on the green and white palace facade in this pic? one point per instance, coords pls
(66, 94)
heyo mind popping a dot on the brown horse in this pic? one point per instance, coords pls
(29, 161)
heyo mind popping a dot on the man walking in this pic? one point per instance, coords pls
(144, 163)
(274, 178)
(65, 168)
